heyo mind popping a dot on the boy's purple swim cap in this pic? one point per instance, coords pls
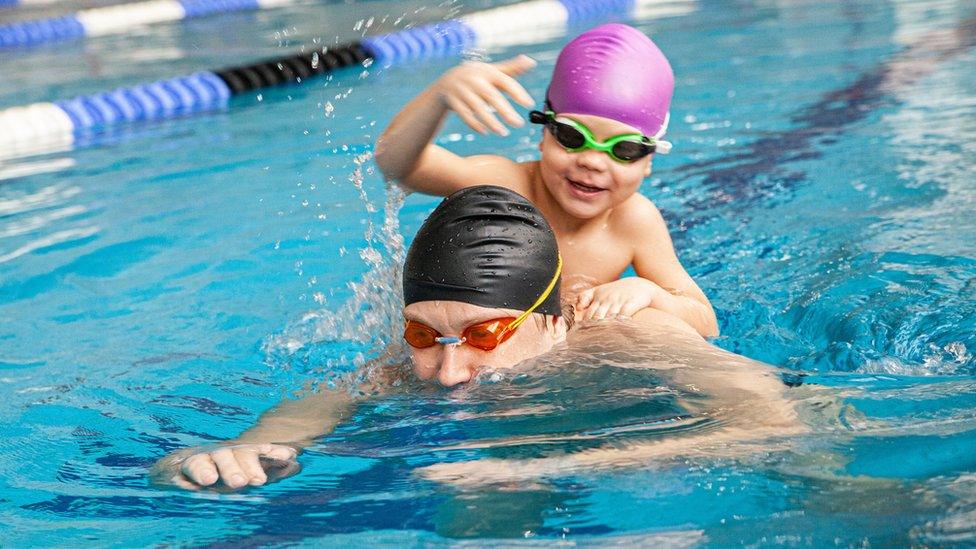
(616, 72)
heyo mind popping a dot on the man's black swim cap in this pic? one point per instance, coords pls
(487, 246)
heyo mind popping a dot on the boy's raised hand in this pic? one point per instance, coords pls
(474, 91)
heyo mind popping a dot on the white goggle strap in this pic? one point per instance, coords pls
(662, 146)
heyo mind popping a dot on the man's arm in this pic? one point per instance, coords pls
(474, 91)
(271, 445)
(746, 401)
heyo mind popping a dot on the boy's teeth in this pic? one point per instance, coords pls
(585, 187)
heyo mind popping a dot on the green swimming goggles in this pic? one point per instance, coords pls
(575, 137)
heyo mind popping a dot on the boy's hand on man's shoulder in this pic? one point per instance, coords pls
(474, 91)
(622, 297)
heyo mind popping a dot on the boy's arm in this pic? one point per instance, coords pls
(404, 151)
(661, 282)
(671, 288)
(655, 260)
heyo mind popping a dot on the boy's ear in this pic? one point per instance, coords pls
(647, 172)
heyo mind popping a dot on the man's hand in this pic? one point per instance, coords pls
(622, 297)
(474, 91)
(234, 466)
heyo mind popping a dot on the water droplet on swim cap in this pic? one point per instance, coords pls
(616, 72)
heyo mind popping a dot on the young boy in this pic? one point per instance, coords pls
(606, 110)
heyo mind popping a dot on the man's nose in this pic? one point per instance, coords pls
(455, 366)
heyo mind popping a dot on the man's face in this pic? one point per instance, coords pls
(458, 363)
(589, 182)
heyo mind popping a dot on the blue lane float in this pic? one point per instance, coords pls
(119, 19)
(60, 121)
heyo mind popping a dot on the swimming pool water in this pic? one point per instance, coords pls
(162, 285)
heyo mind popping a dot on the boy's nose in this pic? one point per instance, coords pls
(455, 366)
(592, 159)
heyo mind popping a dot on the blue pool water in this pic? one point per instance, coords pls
(162, 285)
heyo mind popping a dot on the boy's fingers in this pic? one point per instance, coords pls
(584, 299)
(200, 469)
(493, 97)
(602, 311)
(630, 308)
(230, 471)
(514, 90)
(247, 458)
(590, 313)
(484, 114)
(464, 112)
(516, 65)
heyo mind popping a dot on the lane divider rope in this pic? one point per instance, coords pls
(120, 18)
(60, 121)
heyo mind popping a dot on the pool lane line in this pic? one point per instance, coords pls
(15, 3)
(119, 19)
(29, 128)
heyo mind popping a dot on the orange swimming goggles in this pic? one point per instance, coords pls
(484, 335)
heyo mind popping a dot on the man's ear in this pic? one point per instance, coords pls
(558, 327)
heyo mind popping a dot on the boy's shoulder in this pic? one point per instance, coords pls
(491, 169)
(638, 216)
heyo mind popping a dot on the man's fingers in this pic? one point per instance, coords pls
(248, 460)
(179, 480)
(283, 453)
(200, 469)
(230, 471)
(516, 65)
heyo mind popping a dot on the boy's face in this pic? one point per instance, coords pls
(589, 182)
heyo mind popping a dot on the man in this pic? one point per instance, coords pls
(481, 285)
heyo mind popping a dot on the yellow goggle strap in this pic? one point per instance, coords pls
(545, 294)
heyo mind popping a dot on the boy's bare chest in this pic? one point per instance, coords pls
(596, 256)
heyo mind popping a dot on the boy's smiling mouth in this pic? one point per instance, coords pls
(583, 187)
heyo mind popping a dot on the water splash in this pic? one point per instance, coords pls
(335, 342)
